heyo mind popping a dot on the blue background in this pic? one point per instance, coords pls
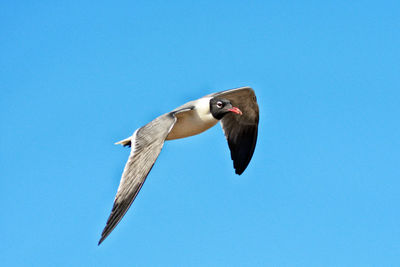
(321, 190)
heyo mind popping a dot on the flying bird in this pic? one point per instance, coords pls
(236, 109)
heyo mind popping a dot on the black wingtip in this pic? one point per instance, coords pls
(242, 147)
(102, 238)
(239, 172)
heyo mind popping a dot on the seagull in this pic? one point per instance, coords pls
(236, 109)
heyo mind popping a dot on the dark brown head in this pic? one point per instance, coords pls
(219, 107)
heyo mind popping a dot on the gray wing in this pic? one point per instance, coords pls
(241, 131)
(146, 145)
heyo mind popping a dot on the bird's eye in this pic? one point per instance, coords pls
(219, 104)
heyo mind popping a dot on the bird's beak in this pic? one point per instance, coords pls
(236, 110)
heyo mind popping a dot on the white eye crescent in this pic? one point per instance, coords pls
(219, 104)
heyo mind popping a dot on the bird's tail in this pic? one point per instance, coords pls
(125, 142)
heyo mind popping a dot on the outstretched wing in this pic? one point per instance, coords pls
(146, 145)
(241, 131)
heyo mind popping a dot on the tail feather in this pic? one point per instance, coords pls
(125, 142)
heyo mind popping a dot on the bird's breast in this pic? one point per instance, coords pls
(193, 122)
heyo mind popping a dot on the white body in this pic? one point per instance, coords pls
(194, 121)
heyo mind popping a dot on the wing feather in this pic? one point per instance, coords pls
(146, 145)
(241, 131)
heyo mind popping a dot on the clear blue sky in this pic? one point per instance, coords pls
(322, 188)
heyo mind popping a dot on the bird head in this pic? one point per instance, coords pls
(219, 107)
